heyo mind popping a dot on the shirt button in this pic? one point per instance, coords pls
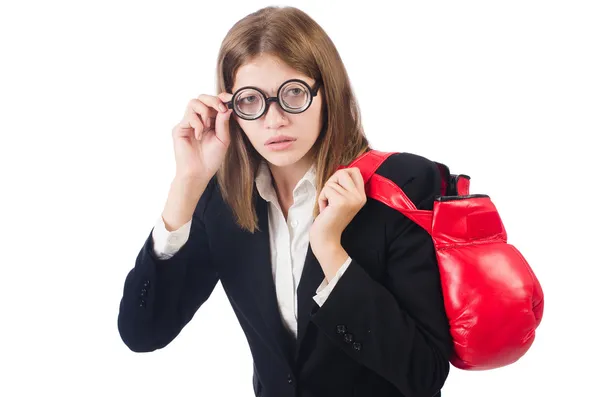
(294, 223)
(173, 239)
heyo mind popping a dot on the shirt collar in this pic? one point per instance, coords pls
(264, 182)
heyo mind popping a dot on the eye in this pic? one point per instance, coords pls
(249, 99)
(295, 91)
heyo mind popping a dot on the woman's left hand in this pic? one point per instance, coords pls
(339, 201)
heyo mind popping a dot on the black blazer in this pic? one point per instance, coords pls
(383, 330)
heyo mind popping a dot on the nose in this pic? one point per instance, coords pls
(275, 115)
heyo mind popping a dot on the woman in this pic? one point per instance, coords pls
(337, 294)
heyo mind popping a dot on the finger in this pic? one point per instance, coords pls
(338, 188)
(189, 121)
(357, 176)
(197, 125)
(222, 127)
(196, 106)
(213, 102)
(346, 181)
(222, 105)
(359, 184)
(328, 194)
(322, 205)
(225, 97)
(323, 202)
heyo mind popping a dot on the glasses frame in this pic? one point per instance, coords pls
(268, 100)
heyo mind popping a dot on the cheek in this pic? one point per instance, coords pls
(248, 129)
(316, 117)
(316, 108)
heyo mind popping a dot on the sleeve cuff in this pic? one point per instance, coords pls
(167, 243)
(325, 288)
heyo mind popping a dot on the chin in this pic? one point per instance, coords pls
(283, 159)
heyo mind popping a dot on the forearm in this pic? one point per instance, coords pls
(331, 256)
(181, 201)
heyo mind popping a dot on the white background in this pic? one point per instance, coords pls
(507, 92)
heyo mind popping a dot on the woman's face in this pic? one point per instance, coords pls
(268, 73)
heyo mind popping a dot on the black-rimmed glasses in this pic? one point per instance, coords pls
(294, 96)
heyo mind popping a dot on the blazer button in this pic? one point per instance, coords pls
(341, 329)
(142, 303)
(357, 346)
(144, 292)
(348, 338)
(147, 283)
(290, 381)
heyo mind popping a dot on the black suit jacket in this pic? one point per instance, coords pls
(383, 330)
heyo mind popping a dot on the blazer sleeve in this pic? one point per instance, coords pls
(397, 328)
(160, 296)
(167, 243)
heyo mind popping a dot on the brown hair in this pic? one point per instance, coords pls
(291, 35)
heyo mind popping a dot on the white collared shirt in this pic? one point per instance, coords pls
(289, 240)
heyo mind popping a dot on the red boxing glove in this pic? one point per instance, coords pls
(493, 300)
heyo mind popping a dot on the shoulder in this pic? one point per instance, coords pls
(418, 176)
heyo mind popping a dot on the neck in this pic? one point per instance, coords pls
(286, 178)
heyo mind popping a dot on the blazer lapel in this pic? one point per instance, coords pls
(312, 277)
(263, 285)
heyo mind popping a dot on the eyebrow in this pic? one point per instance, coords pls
(274, 91)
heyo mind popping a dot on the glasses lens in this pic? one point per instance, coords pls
(249, 103)
(295, 97)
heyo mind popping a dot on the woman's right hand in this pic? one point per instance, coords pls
(201, 138)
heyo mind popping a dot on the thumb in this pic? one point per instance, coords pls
(222, 126)
(322, 202)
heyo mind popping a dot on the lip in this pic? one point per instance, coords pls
(279, 138)
(278, 146)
